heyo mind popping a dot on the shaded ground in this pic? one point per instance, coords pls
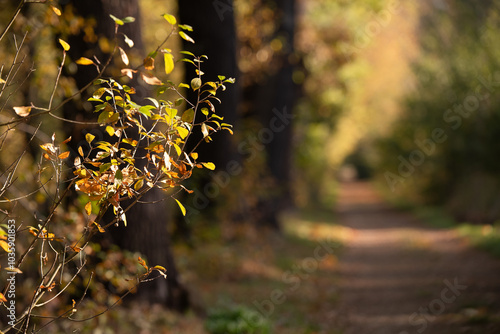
(398, 276)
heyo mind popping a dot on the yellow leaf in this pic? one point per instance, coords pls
(63, 155)
(170, 19)
(88, 208)
(80, 150)
(2, 298)
(84, 61)
(169, 62)
(56, 10)
(124, 56)
(110, 130)
(178, 149)
(194, 155)
(99, 227)
(89, 137)
(209, 165)
(183, 209)
(149, 63)
(183, 132)
(14, 270)
(5, 246)
(64, 44)
(22, 111)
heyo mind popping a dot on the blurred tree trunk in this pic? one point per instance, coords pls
(215, 36)
(147, 224)
(271, 102)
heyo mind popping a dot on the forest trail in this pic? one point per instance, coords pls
(398, 276)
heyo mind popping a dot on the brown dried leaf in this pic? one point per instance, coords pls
(22, 111)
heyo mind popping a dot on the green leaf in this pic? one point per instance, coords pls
(188, 115)
(117, 20)
(170, 19)
(221, 77)
(187, 53)
(169, 62)
(98, 93)
(186, 36)
(204, 111)
(145, 110)
(196, 83)
(104, 167)
(183, 209)
(119, 175)
(185, 27)
(128, 19)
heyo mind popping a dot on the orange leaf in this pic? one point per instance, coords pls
(88, 208)
(2, 298)
(149, 63)
(63, 155)
(5, 246)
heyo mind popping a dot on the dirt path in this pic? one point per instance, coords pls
(398, 276)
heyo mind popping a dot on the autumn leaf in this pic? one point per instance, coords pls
(149, 63)
(124, 56)
(186, 36)
(209, 165)
(151, 80)
(56, 10)
(128, 72)
(183, 209)
(22, 111)
(170, 19)
(84, 61)
(89, 137)
(5, 246)
(64, 44)
(169, 62)
(196, 83)
(2, 298)
(63, 155)
(88, 208)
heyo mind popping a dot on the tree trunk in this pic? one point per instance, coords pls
(147, 224)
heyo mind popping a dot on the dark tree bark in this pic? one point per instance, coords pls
(274, 97)
(215, 36)
(147, 224)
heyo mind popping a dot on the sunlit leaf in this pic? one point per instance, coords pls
(5, 246)
(151, 80)
(2, 298)
(99, 227)
(170, 19)
(128, 72)
(169, 62)
(63, 155)
(64, 44)
(56, 10)
(110, 130)
(194, 155)
(183, 132)
(204, 130)
(84, 61)
(183, 209)
(138, 185)
(196, 83)
(67, 140)
(186, 36)
(89, 137)
(88, 208)
(98, 93)
(183, 85)
(146, 110)
(22, 111)
(209, 165)
(80, 150)
(185, 27)
(117, 20)
(129, 42)
(124, 56)
(14, 270)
